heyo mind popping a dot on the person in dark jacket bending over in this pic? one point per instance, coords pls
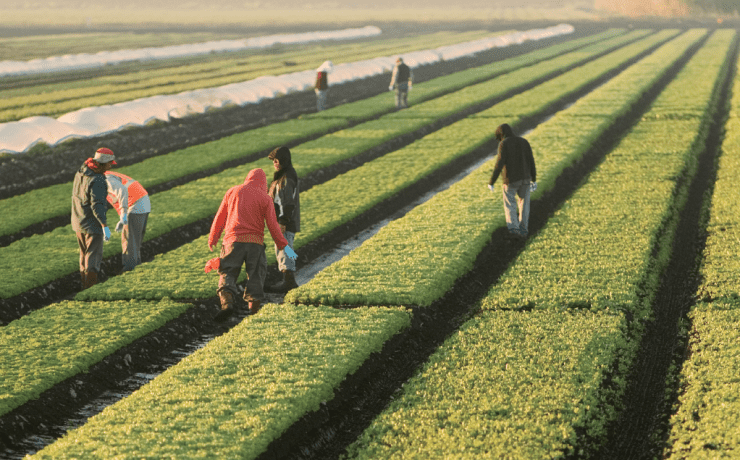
(516, 161)
(285, 195)
(89, 209)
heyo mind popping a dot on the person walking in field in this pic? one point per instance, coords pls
(401, 81)
(133, 206)
(285, 195)
(322, 84)
(244, 211)
(89, 209)
(516, 161)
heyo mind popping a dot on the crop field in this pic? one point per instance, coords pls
(419, 330)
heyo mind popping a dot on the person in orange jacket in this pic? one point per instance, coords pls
(244, 211)
(133, 206)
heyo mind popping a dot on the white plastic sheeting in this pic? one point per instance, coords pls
(103, 58)
(19, 136)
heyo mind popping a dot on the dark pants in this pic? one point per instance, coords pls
(91, 251)
(253, 257)
(131, 239)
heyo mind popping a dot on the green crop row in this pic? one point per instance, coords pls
(198, 199)
(38, 205)
(416, 259)
(706, 422)
(337, 201)
(555, 370)
(239, 393)
(60, 98)
(67, 338)
(508, 385)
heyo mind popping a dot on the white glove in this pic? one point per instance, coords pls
(533, 186)
(390, 88)
(119, 226)
(490, 187)
(106, 234)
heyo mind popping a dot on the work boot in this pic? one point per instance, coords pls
(91, 279)
(285, 285)
(254, 307)
(227, 306)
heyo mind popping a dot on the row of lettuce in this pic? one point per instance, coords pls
(59, 98)
(251, 384)
(198, 199)
(178, 274)
(706, 422)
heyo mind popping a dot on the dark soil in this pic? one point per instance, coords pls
(326, 433)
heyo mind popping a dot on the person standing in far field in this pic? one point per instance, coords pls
(322, 84)
(243, 213)
(401, 81)
(89, 210)
(516, 161)
(286, 198)
(132, 204)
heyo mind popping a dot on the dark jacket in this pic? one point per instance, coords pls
(514, 158)
(89, 205)
(285, 193)
(322, 81)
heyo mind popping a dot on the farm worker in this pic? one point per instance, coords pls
(285, 196)
(242, 215)
(89, 213)
(132, 204)
(322, 84)
(516, 161)
(401, 81)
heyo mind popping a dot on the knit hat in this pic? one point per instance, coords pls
(104, 155)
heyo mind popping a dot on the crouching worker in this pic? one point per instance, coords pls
(285, 195)
(132, 204)
(89, 209)
(242, 216)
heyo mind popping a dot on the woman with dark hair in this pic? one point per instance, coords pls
(285, 196)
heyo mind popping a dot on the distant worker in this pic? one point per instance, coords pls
(286, 198)
(133, 206)
(242, 215)
(516, 161)
(89, 210)
(401, 81)
(322, 84)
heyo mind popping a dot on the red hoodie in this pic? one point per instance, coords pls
(243, 213)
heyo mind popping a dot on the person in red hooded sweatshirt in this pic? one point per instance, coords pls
(243, 213)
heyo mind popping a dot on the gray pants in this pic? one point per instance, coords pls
(131, 239)
(402, 95)
(516, 206)
(285, 262)
(321, 96)
(252, 255)
(91, 251)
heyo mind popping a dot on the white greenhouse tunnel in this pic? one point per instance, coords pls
(19, 136)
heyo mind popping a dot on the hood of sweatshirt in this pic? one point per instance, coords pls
(257, 178)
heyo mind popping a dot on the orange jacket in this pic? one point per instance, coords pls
(134, 188)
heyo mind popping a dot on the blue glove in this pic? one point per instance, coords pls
(290, 252)
(106, 234)
(533, 186)
(124, 218)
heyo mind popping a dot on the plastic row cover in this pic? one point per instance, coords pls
(19, 136)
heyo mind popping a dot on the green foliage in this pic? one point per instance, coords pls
(506, 385)
(233, 397)
(49, 345)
